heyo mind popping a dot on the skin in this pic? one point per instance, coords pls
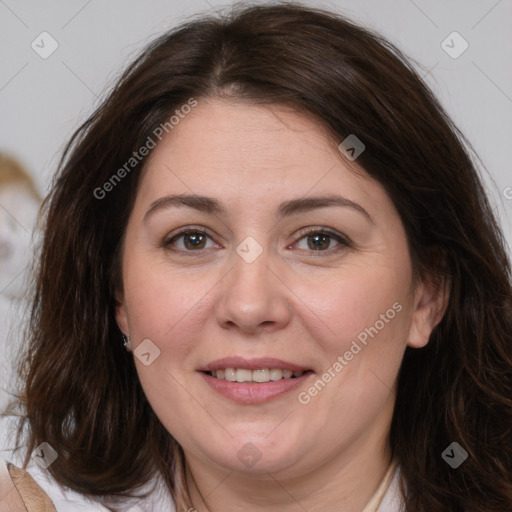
(293, 302)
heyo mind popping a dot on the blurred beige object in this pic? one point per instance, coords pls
(12, 172)
(10, 498)
(20, 493)
(19, 206)
(34, 498)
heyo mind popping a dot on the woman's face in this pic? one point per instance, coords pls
(292, 262)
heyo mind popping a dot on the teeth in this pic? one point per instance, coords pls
(243, 375)
(229, 374)
(276, 374)
(260, 375)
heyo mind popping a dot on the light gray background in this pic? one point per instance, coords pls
(43, 100)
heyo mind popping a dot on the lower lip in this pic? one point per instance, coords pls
(251, 392)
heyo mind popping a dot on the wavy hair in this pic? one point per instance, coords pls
(81, 389)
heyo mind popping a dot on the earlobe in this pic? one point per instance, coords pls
(430, 304)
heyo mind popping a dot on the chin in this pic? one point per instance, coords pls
(257, 455)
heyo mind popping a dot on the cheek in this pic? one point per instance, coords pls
(360, 324)
(356, 304)
(166, 305)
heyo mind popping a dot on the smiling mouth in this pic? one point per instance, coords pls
(258, 376)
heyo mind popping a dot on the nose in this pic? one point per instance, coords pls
(253, 297)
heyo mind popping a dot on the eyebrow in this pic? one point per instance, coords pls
(210, 205)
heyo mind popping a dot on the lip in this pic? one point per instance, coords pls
(251, 392)
(252, 364)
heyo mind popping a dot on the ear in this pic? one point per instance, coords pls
(430, 302)
(121, 316)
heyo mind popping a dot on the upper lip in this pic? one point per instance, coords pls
(251, 364)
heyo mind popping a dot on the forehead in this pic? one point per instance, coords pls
(237, 150)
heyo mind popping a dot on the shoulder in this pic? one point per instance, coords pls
(66, 500)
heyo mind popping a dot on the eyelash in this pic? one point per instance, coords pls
(343, 241)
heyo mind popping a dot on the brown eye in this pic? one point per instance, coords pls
(188, 241)
(194, 240)
(321, 241)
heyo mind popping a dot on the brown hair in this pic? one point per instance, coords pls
(82, 394)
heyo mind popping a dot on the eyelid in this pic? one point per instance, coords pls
(321, 229)
(186, 229)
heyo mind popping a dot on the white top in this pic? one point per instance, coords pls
(392, 500)
(65, 500)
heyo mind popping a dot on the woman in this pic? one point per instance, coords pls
(281, 222)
